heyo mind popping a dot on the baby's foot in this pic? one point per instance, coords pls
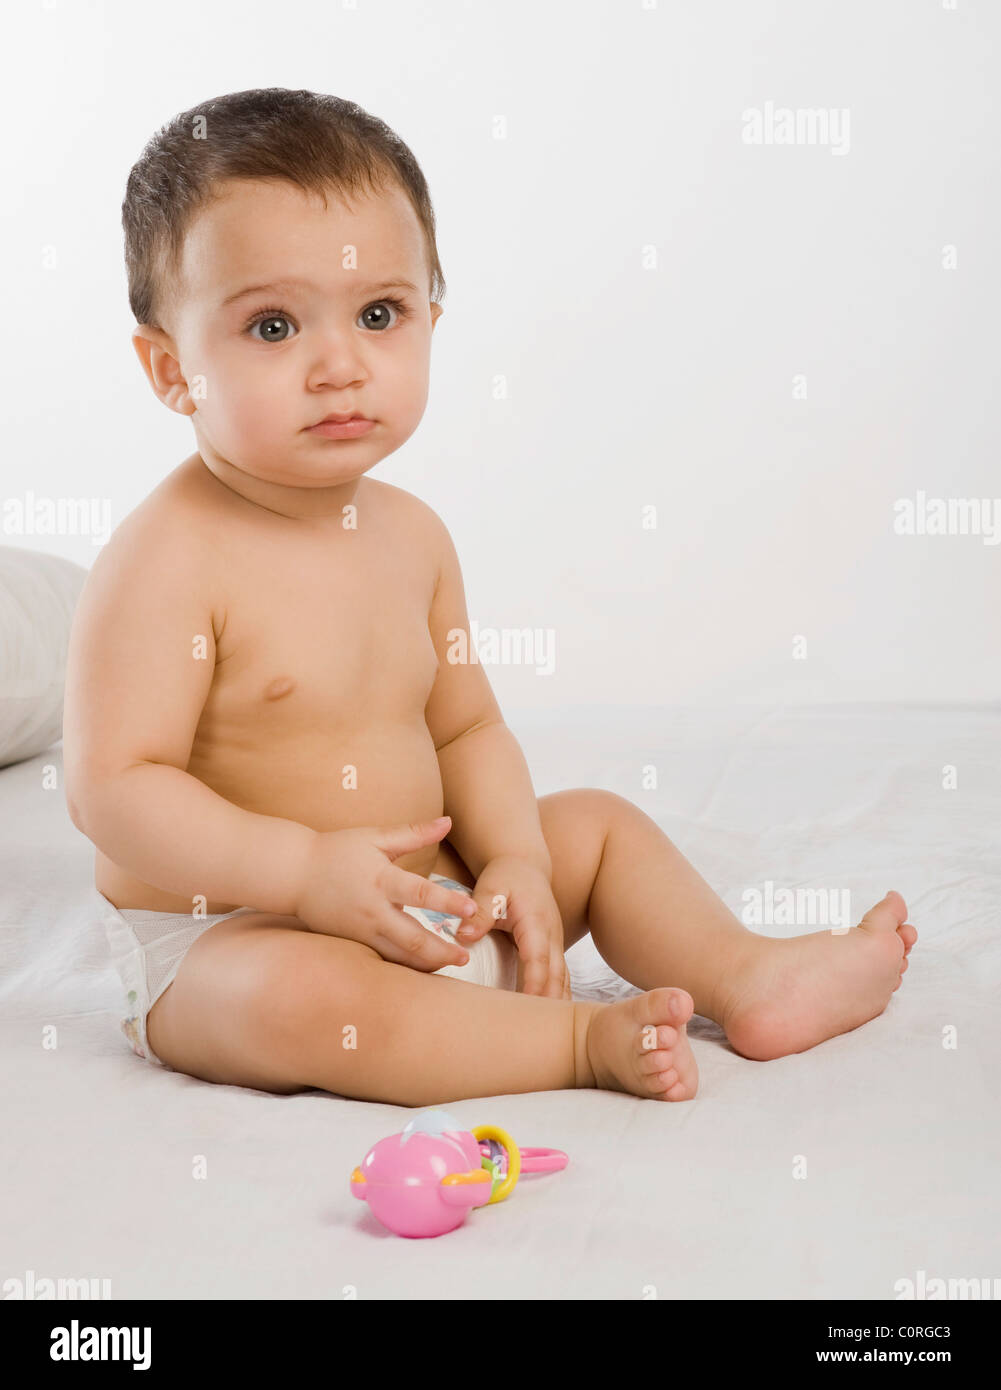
(640, 1045)
(795, 993)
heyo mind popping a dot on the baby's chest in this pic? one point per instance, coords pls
(306, 648)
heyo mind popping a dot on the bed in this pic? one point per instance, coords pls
(839, 1173)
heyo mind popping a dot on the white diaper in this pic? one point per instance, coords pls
(147, 949)
(493, 960)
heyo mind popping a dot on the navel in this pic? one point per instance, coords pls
(280, 686)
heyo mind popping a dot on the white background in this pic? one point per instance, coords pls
(628, 386)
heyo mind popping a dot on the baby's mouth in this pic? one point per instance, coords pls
(342, 426)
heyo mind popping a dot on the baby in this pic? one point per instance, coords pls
(265, 719)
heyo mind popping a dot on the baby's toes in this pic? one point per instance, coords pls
(886, 916)
(664, 1062)
(681, 1080)
(664, 1083)
(908, 936)
(657, 1038)
(659, 1072)
(652, 1063)
(681, 1005)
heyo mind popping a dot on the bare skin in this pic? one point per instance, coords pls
(304, 683)
(249, 681)
(772, 997)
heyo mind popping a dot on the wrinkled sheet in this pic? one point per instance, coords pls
(899, 1133)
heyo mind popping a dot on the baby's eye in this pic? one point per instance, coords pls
(376, 316)
(275, 327)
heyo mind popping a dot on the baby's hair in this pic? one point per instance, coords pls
(318, 142)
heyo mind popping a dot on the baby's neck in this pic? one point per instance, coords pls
(309, 504)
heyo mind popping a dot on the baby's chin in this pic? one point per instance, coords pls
(309, 468)
(295, 475)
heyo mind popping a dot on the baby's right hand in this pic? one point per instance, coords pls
(352, 888)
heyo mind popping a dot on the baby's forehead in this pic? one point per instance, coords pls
(259, 231)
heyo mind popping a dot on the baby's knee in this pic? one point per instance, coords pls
(293, 986)
(584, 807)
(253, 1000)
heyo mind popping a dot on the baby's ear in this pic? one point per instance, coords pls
(436, 311)
(158, 358)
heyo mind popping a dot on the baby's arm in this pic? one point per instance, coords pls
(487, 785)
(136, 684)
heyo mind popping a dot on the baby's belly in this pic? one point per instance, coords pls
(385, 776)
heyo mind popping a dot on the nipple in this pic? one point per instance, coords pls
(280, 686)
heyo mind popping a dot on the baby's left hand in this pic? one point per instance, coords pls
(521, 892)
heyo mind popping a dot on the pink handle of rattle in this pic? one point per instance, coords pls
(543, 1160)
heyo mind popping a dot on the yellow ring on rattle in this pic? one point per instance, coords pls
(513, 1158)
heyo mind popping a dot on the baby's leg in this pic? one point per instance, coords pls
(656, 921)
(260, 1001)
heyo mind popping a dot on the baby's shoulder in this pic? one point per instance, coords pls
(415, 524)
(396, 502)
(168, 526)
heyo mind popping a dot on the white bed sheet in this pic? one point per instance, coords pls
(901, 1135)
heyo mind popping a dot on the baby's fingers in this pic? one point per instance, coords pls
(535, 966)
(559, 979)
(402, 939)
(545, 971)
(563, 974)
(476, 925)
(411, 890)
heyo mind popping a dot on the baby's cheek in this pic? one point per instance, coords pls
(253, 413)
(405, 406)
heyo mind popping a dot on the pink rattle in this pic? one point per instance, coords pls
(424, 1181)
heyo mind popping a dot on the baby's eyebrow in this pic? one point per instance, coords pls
(293, 282)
